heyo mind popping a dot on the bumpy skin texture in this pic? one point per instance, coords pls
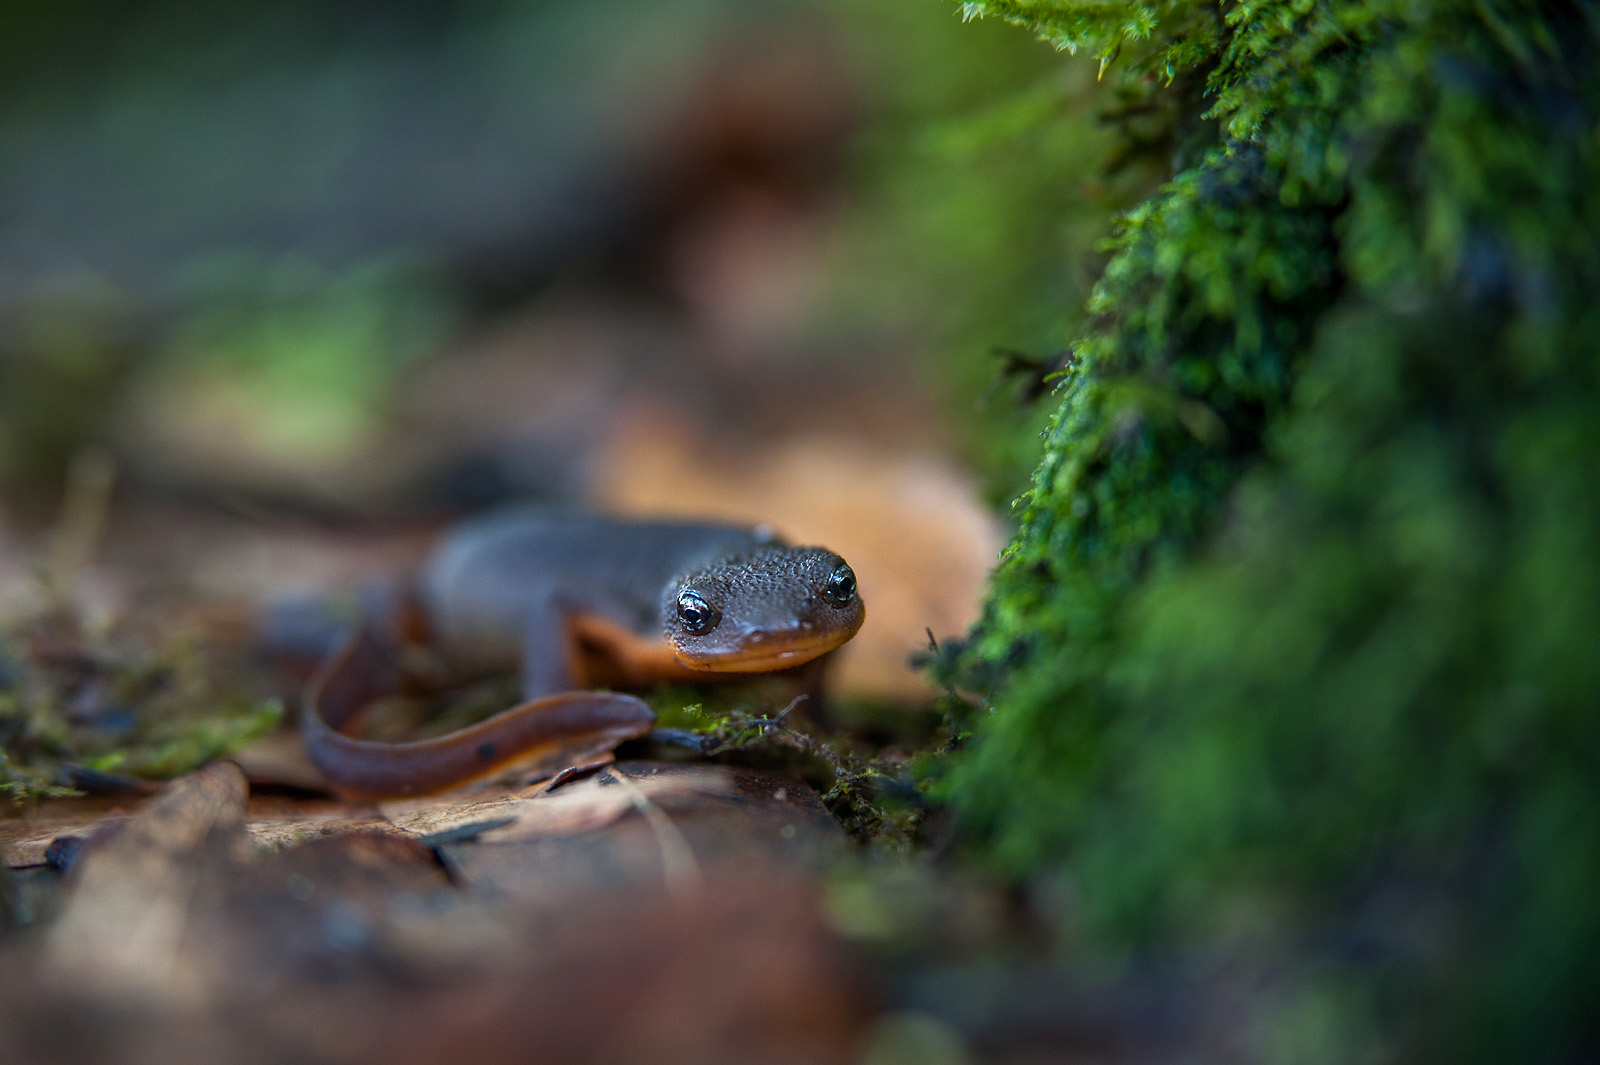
(773, 609)
(658, 600)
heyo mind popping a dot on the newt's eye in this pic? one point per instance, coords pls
(698, 616)
(841, 586)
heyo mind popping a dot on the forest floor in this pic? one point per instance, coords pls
(691, 909)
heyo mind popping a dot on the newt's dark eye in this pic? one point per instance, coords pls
(841, 586)
(697, 616)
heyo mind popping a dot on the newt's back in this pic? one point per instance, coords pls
(493, 576)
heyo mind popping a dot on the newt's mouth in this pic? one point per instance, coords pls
(764, 657)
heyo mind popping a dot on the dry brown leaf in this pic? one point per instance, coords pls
(582, 806)
(121, 933)
(910, 523)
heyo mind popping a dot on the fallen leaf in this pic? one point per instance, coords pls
(121, 933)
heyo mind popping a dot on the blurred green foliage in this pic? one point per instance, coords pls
(982, 169)
(304, 356)
(1293, 659)
(62, 364)
(256, 216)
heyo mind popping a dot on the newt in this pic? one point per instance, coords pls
(580, 600)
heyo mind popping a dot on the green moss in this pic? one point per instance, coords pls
(1300, 620)
(71, 701)
(870, 795)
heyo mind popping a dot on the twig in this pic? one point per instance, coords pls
(84, 506)
(678, 866)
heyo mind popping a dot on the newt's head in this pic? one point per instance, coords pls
(763, 609)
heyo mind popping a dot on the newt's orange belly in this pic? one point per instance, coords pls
(606, 654)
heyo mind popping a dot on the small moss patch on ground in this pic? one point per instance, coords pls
(74, 705)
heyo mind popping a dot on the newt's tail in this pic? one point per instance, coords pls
(549, 733)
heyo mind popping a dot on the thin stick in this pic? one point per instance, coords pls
(678, 866)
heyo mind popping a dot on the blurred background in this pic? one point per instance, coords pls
(287, 286)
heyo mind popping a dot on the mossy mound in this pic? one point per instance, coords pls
(1297, 650)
